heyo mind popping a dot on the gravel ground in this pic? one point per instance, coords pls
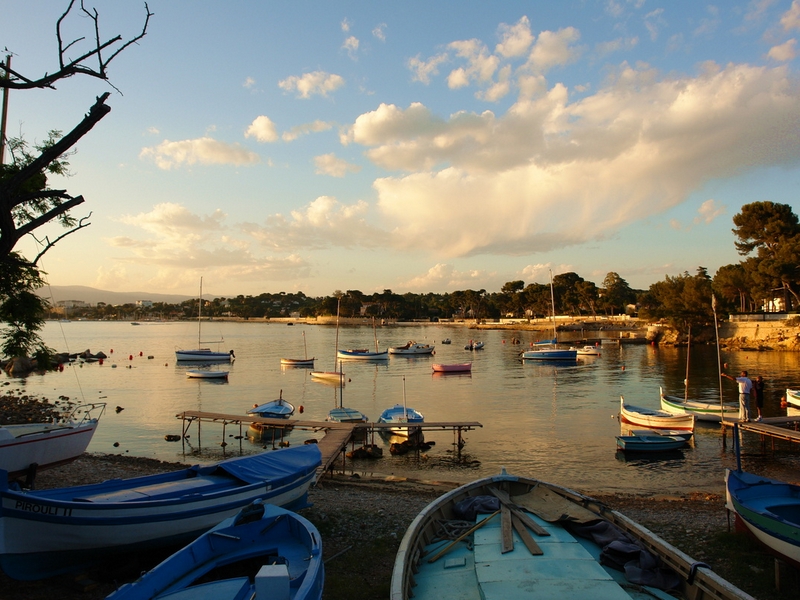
(362, 522)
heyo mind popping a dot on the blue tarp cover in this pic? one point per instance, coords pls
(278, 467)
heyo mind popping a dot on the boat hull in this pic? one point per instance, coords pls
(551, 354)
(259, 534)
(655, 419)
(649, 443)
(334, 376)
(198, 374)
(703, 411)
(412, 349)
(793, 397)
(202, 355)
(48, 532)
(297, 362)
(769, 510)
(362, 355)
(452, 368)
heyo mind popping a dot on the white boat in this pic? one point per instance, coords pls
(299, 362)
(28, 447)
(412, 348)
(49, 532)
(274, 409)
(793, 397)
(587, 351)
(703, 411)
(364, 353)
(403, 418)
(473, 345)
(452, 368)
(275, 553)
(653, 418)
(332, 376)
(201, 354)
(206, 374)
(517, 537)
(549, 350)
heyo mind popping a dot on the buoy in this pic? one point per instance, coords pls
(171, 437)
(141, 353)
(623, 367)
(301, 409)
(100, 361)
(61, 367)
(111, 351)
(116, 444)
(130, 357)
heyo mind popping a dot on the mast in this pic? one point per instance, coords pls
(553, 304)
(688, 351)
(336, 344)
(200, 314)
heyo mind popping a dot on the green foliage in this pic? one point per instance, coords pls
(21, 309)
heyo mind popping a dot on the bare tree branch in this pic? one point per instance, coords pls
(48, 244)
(68, 67)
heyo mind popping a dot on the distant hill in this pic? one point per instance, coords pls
(58, 293)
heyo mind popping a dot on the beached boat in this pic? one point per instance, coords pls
(48, 532)
(769, 510)
(412, 349)
(201, 354)
(275, 554)
(28, 447)
(793, 397)
(703, 411)
(452, 368)
(299, 362)
(654, 419)
(206, 374)
(649, 443)
(531, 539)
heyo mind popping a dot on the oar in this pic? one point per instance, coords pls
(447, 548)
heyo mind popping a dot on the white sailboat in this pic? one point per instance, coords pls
(549, 350)
(336, 376)
(201, 354)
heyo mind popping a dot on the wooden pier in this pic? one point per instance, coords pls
(336, 436)
(774, 428)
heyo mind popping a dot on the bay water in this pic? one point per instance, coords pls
(553, 422)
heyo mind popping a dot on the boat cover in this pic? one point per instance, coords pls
(277, 466)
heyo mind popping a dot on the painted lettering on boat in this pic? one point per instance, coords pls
(42, 509)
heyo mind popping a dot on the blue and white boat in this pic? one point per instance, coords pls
(48, 532)
(200, 354)
(769, 510)
(650, 443)
(274, 409)
(362, 354)
(275, 554)
(549, 350)
(403, 418)
(524, 538)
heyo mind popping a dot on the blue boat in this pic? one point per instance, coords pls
(508, 537)
(48, 532)
(276, 554)
(769, 510)
(650, 443)
(274, 409)
(402, 417)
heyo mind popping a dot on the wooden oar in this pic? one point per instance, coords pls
(525, 536)
(507, 533)
(518, 512)
(447, 548)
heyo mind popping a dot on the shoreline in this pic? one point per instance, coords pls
(363, 519)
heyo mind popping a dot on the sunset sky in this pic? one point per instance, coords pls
(413, 146)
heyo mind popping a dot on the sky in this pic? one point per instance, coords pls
(413, 146)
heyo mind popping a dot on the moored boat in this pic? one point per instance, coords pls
(649, 443)
(587, 351)
(412, 349)
(276, 553)
(654, 419)
(551, 353)
(452, 368)
(769, 510)
(474, 345)
(53, 531)
(703, 411)
(201, 354)
(299, 362)
(45, 445)
(206, 374)
(793, 397)
(362, 354)
(538, 540)
(275, 409)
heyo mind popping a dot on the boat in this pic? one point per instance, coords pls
(401, 417)
(201, 354)
(769, 510)
(343, 414)
(299, 362)
(28, 447)
(684, 435)
(654, 419)
(473, 345)
(520, 537)
(649, 443)
(587, 351)
(793, 397)
(274, 552)
(49, 532)
(364, 353)
(446, 341)
(452, 368)
(549, 350)
(703, 411)
(332, 376)
(274, 409)
(206, 374)
(412, 348)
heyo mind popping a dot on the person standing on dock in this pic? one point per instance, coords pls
(758, 390)
(745, 391)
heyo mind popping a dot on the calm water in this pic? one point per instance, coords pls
(556, 423)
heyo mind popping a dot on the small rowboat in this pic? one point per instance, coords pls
(703, 411)
(329, 376)
(649, 443)
(362, 354)
(206, 374)
(297, 362)
(278, 553)
(452, 368)
(684, 435)
(793, 397)
(654, 419)
(530, 539)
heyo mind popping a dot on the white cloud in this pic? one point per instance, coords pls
(708, 211)
(263, 129)
(791, 18)
(515, 39)
(785, 52)
(481, 66)
(204, 151)
(554, 49)
(558, 173)
(379, 32)
(351, 46)
(305, 129)
(444, 276)
(249, 82)
(321, 224)
(345, 25)
(654, 22)
(423, 70)
(309, 84)
(329, 164)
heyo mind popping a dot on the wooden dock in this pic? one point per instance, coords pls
(336, 436)
(774, 428)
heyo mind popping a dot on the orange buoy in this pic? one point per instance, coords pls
(100, 361)
(301, 409)
(141, 353)
(111, 351)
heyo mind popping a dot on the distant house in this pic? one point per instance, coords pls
(144, 303)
